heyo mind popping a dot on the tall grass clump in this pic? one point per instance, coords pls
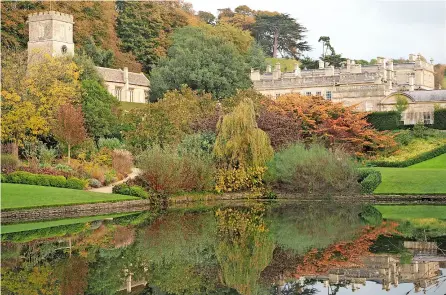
(171, 170)
(312, 169)
(122, 161)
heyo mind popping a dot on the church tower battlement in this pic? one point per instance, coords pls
(50, 33)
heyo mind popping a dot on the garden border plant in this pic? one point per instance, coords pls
(420, 158)
(130, 190)
(369, 179)
(23, 177)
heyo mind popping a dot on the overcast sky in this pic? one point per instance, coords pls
(361, 29)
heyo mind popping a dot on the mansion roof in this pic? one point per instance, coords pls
(117, 76)
(426, 95)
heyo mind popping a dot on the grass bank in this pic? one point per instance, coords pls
(21, 196)
(412, 181)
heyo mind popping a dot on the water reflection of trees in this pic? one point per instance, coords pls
(301, 227)
(245, 250)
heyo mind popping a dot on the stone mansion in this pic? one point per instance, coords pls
(51, 33)
(370, 88)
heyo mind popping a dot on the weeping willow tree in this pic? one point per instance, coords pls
(240, 143)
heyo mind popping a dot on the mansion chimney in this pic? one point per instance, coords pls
(411, 57)
(268, 68)
(255, 75)
(411, 83)
(321, 64)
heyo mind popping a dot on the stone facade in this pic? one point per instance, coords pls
(51, 33)
(353, 84)
(421, 105)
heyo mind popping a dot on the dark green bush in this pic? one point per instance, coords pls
(385, 120)
(440, 119)
(420, 158)
(369, 180)
(76, 183)
(9, 162)
(134, 190)
(24, 177)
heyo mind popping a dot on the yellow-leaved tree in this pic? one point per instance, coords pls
(21, 121)
(52, 82)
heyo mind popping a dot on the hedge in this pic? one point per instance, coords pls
(409, 162)
(440, 119)
(24, 177)
(385, 120)
(134, 190)
(369, 180)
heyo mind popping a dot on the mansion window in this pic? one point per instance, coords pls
(328, 95)
(277, 95)
(146, 95)
(308, 93)
(318, 93)
(427, 118)
(131, 91)
(118, 91)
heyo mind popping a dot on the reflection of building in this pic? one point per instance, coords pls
(387, 270)
(370, 87)
(51, 33)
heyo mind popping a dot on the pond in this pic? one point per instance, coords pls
(229, 248)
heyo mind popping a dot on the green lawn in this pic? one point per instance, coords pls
(412, 181)
(16, 196)
(437, 163)
(412, 212)
(428, 177)
(12, 228)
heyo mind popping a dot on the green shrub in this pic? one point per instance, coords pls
(46, 155)
(312, 170)
(134, 190)
(420, 131)
(110, 143)
(9, 162)
(384, 120)
(44, 180)
(21, 177)
(404, 137)
(58, 181)
(409, 162)
(369, 180)
(76, 183)
(440, 119)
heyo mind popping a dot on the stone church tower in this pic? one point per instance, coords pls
(51, 33)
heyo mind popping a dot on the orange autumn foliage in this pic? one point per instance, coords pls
(314, 117)
(343, 254)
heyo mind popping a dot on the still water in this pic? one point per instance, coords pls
(248, 248)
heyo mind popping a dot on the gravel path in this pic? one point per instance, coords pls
(108, 189)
